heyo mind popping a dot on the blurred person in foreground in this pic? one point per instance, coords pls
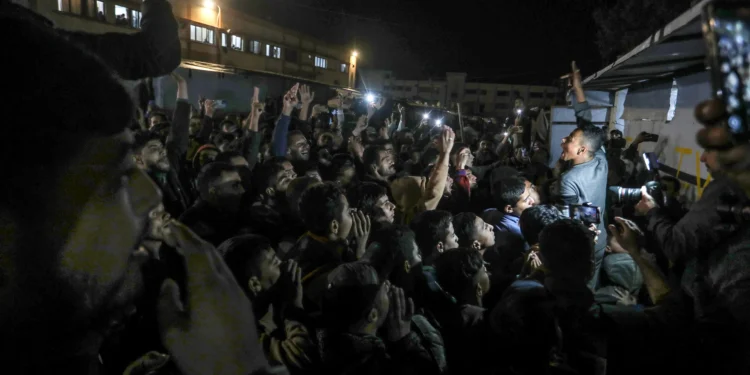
(706, 320)
(55, 302)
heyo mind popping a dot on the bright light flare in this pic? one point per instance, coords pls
(426, 116)
(370, 98)
(209, 4)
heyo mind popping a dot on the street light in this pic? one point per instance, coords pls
(211, 4)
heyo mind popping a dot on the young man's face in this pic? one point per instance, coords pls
(469, 157)
(157, 222)
(572, 145)
(386, 165)
(448, 186)
(270, 269)
(156, 120)
(153, 156)
(344, 219)
(385, 211)
(450, 241)
(299, 149)
(472, 178)
(710, 158)
(525, 201)
(284, 177)
(485, 233)
(227, 190)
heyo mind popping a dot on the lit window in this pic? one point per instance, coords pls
(223, 39)
(254, 47)
(321, 62)
(273, 51)
(63, 5)
(343, 68)
(135, 20)
(121, 16)
(237, 43)
(101, 11)
(201, 34)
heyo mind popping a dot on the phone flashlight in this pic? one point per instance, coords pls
(505, 134)
(426, 116)
(370, 98)
(519, 111)
(438, 122)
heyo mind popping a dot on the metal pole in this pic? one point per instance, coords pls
(460, 121)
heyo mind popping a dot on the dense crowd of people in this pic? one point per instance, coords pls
(342, 237)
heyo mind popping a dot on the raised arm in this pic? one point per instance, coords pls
(307, 98)
(154, 51)
(279, 143)
(179, 132)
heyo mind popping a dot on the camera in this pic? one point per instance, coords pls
(623, 195)
(733, 210)
(650, 137)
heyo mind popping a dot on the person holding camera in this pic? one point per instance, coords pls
(680, 240)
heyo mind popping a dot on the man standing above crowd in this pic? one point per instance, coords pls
(586, 179)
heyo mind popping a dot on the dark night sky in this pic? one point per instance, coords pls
(509, 41)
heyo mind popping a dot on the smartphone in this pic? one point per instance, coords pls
(220, 104)
(585, 214)
(726, 29)
(650, 137)
(651, 161)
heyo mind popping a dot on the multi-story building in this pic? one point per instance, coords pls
(221, 40)
(484, 99)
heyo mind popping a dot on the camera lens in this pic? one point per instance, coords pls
(621, 195)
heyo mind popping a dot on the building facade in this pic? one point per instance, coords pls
(216, 36)
(481, 99)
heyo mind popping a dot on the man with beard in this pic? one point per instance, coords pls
(379, 165)
(163, 160)
(215, 215)
(269, 213)
(64, 268)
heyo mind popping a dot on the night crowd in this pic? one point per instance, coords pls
(343, 235)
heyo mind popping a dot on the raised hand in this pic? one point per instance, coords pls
(446, 141)
(305, 95)
(292, 279)
(624, 238)
(214, 331)
(398, 324)
(361, 125)
(290, 100)
(356, 147)
(210, 107)
(361, 226)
